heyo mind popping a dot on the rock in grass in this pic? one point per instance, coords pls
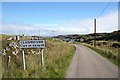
(4, 52)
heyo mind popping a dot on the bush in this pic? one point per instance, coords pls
(109, 55)
(114, 57)
(116, 45)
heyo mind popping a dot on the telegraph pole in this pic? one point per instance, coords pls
(94, 44)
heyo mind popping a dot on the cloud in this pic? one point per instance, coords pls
(107, 23)
(73, 27)
(28, 29)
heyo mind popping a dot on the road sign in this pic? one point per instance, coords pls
(32, 43)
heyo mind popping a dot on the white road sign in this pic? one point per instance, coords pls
(32, 43)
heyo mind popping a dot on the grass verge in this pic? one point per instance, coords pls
(57, 57)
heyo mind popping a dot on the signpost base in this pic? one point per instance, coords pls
(42, 57)
(23, 59)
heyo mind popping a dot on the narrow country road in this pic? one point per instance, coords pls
(88, 64)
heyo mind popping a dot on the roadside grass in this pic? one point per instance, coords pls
(3, 37)
(107, 46)
(57, 57)
(108, 55)
(0, 66)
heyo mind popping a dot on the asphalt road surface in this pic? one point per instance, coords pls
(88, 64)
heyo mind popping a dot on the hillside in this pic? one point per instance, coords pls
(57, 58)
(113, 36)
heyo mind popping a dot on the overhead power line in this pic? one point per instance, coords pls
(104, 9)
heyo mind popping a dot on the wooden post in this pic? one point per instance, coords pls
(94, 33)
(23, 59)
(42, 57)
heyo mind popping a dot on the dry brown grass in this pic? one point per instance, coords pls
(57, 57)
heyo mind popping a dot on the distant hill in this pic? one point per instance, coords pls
(115, 36)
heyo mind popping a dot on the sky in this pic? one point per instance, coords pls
(58, 18)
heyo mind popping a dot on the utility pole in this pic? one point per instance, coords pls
(94, 33)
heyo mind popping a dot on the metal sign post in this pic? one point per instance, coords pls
(42, 57)
(23, 59)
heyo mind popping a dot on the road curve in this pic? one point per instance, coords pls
(88, 64)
